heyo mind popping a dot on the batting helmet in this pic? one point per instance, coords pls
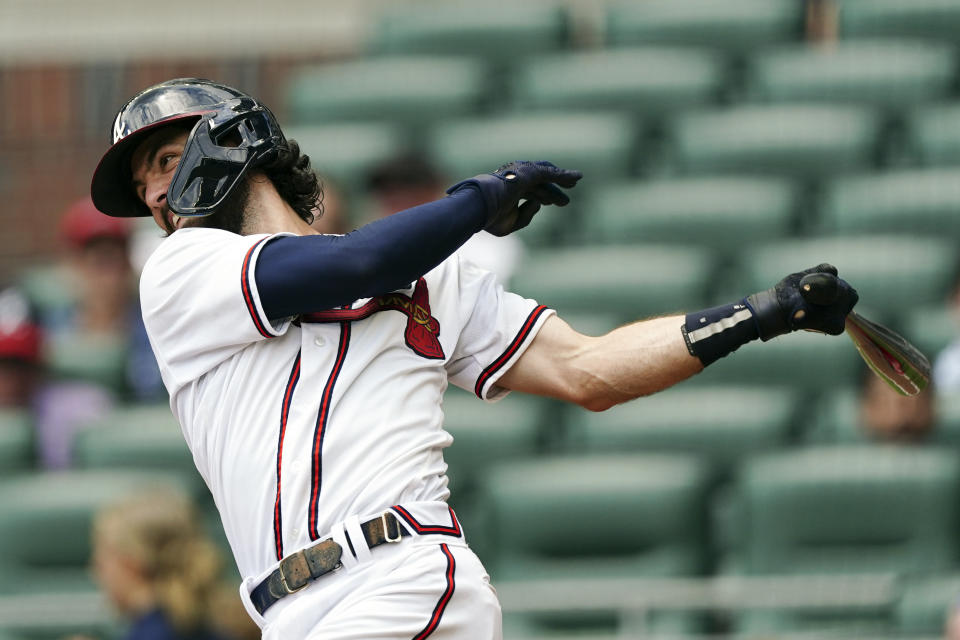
(232, 133)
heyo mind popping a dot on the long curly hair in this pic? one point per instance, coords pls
(295, 181)
(159, 532)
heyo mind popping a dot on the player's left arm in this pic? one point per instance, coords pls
(651, 355)
(597, 373)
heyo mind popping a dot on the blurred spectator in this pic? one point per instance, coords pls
(952, 627)
(409, 180)
(820, 20)
(946, 364)
(156, 567)
(100, 337)
(20, 351)
(888, 416)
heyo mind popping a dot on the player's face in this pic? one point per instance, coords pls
(152, 165)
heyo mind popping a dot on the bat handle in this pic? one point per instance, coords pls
(819, 288)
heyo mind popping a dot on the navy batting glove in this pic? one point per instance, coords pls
(787, 307)
(534, 182)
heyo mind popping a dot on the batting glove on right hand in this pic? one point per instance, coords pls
(792, 304)
(502, 191)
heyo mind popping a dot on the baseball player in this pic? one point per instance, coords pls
(307, 370)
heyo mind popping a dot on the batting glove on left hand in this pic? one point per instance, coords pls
(502, 191)
(788, 307)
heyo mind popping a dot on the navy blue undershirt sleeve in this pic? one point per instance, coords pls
(302, 274)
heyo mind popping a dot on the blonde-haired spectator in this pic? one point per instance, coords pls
(157, 567)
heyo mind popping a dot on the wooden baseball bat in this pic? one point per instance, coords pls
(888, 354)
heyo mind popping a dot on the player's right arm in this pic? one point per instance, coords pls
(301, 274)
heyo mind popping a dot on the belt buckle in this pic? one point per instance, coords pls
(386, 528)
(286, 585)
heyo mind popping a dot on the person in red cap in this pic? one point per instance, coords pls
(99, 337)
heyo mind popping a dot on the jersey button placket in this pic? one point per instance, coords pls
(319, 341)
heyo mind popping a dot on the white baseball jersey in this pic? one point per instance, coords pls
(299, 424)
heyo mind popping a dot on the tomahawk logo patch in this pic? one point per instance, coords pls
(422, 333)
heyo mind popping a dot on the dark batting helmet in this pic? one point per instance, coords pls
(232, 132)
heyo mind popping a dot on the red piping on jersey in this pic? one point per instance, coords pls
(452, 530)
(321, 428)
(284, 413)
(444, 599)
(510, 351)
(247, 296)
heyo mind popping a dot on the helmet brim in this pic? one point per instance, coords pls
(110, 187)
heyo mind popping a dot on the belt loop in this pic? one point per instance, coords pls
(352, 527)
(386, 526)
(339, 535)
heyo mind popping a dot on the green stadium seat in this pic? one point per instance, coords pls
(706, 421)
(718, 213)
(484, 434)
(935, 19)
(884, 72)
(788, 139)
(734, 24)
(891, 273)
(809, 362)
(610, 515)
(459, 28)
(48, 287)
(98, 359)
(645, 511)
(16, 441)
(649, 80)
(599, 144)
(922, 608)
(134, 437)
(933, 134)
(854, 509)
(631, 281)
(931, 328)
(907, 201)
(416, 89)
(553, 515)
(348, 151)
(45, 528)
(57, 614)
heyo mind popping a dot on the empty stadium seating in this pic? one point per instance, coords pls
(933, 134)
(16, 441)
(865, 509)
(924, 201)
(890, 73)
(643, 80)
(459, 28)
(717, 213)
(405, 88)
(800, 140)
(707, 421)
(631, 281)
(736, 24)
(611, 515)
(935, 19)
(600, 144)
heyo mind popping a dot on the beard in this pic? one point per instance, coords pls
(231, 215)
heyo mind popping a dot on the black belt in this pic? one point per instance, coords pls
(298, 569)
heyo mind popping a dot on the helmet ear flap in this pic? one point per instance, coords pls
(216, 157)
